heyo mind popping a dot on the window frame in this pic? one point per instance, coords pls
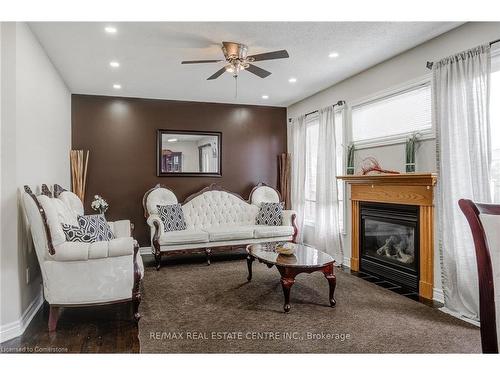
(394, 139)
(315, 117)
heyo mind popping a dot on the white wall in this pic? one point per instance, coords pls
(35, 144)
(403, 68)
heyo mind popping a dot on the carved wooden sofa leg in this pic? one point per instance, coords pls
(158, 261)
(54, 313)
(156, 245)
(135, 309)
(208, 253)
(136, 289)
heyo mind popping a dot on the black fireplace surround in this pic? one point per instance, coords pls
(389, 239)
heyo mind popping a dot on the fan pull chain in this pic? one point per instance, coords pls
(236, 86)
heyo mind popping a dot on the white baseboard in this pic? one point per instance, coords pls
(461, 317)
(17, 328)
(438, 295)
(145, 250)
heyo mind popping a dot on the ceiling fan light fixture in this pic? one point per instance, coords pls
(236, 66)
(237, 59)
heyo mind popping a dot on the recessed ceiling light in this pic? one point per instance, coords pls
(265, 96)
(110, 29)
(172, 140)
(114, 64)
(117, 86)
(333, 55)
(292, 80)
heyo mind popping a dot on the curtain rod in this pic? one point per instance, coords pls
(431, 63)
(339, 103)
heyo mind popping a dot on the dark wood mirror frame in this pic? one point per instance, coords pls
(159, 135)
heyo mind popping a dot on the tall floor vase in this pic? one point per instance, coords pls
(79, 160)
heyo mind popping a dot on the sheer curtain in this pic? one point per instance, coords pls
(327, 226)
(298, 135)
(461, 87)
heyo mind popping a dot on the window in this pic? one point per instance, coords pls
(495, 129)
(391, 117)
(312, 134)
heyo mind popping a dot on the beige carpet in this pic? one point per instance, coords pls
(194, 308)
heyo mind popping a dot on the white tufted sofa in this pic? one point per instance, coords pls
(214, 218)
(77, 273)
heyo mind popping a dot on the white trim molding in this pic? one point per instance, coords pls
(14, 329)
(438, 295)
(461, 317)
(393, 139)
(145, 250)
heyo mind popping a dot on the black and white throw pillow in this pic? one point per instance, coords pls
(172, 217)
(77, 234)
(97, 225)
(270, 214)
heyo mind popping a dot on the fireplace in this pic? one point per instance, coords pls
(389, 242)
(410, 198)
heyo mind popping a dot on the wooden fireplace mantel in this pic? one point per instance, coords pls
(409, 188)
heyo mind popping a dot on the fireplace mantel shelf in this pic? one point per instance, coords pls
(427, 179)
(408, 189)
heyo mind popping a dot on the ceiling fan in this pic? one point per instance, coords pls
(236, 60)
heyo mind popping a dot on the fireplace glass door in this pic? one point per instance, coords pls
(389, 242)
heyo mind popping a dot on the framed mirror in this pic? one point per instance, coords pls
(189, 153)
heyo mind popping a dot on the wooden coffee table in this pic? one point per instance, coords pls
(305, 259)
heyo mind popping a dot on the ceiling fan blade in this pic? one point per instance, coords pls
(217, 74)
(282, 54)
(200, 61)
(258, 71)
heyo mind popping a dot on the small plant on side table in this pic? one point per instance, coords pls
(99, 204)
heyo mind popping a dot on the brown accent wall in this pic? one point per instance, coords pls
(121, 136)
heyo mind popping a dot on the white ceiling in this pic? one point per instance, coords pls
(150, 56)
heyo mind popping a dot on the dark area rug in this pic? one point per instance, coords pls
(194, 308)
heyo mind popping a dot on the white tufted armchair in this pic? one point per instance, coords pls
(76, 273)
(214, 218)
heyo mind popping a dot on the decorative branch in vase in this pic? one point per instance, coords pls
(99, 204)
(410, 148)
(79, 161)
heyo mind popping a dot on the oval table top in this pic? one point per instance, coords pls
(303, 256)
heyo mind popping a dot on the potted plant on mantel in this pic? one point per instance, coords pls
(410, 148)
(350, 159)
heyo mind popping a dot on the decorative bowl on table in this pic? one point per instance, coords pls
(287, 248)
(286, 259)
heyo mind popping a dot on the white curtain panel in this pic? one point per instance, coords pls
(327, 226)
(461, 106)
(298, 132)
